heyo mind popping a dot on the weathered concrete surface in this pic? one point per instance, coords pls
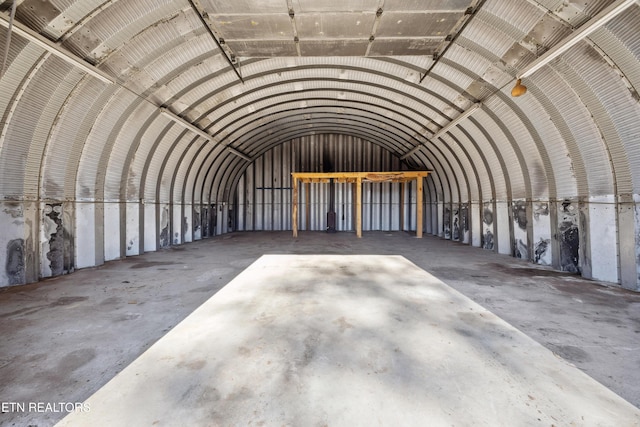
(305, 340)
(64, 338)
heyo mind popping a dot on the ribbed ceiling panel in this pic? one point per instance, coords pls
(619, 39)
(614, 114)
(95, 157)
(22, 58)
(511, 17)
(60, 152)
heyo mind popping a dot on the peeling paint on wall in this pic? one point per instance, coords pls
(464, 222)
(455, 226)
(519, 214)
(59, 241)
(204, 221)
(164, 227)
(542, 234)
(447, 222)
(568, 237)
(15, 264)
(487, 227)
(197, 231)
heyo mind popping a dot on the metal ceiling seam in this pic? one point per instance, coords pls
(372, 131)
(620, 49)
(223, 129)
(391, 146)
(397, 150)
(41, 104)
(130, 184)
(12, 187)
(154, 159)
(275, 72)
(491, 175)
(467, 167)
(186, 159)
(167, 174)
(272, 118)
(83, 12)
(33, 61)
(516, 18)
(440, 175)
(455, 174)
(83, 114)
(610, 140)
(494, 92)
(191, 175)
(500, 172)
(58, 152)
(119, 24)
(113, 151)
(302, 93)
(476, 193)
(560, 158)
(529, 151)
(516, 172)
(379, 102)
(519, 183)
(286, 135)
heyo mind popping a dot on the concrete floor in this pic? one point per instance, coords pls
(64, 338)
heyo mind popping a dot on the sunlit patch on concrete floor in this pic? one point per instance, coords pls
(308, 340)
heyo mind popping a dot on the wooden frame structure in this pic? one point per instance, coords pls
(358, 178)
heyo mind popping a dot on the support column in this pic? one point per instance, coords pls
(402, 188)
(419, 207)
(359, 207)
(294, 214)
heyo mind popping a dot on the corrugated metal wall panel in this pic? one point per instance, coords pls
(482, 33)
(59, 148)
(75, 124)
(513, 18)
(620, 42)
(12, 154)
(114, 26)
(95, 141)
(515, 180)
(617, 116)
(469, 186)
(171, 162)
(95, 167)
(22, 56)
(568, 124)
(152, 151)
(525, 149)
(265, 188)
(29, 128)
(192, 149)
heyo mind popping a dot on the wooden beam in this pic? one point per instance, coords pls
(358, 178)
(307, 213)
(419, 207)
(294, 214)
(364, 176)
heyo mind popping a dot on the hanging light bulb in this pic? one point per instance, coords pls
(518, 89)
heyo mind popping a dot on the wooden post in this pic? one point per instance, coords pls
(307, 197)
(359, 207)
(402, 186)
(419, 207)
(294, 214)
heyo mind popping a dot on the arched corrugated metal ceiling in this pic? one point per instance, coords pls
(80, 154)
